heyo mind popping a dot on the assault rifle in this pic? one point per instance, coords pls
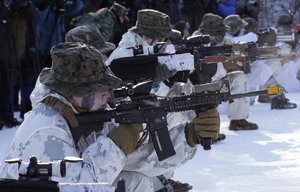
(143, 67)
(35, 176)
(153, 111)
(237, 54)
(190, 62)
(186, 44)
(236, 50)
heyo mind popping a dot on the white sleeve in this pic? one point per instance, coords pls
(129, 41)
(144, 160)
(249, 37)
(45, 134)
(220, 73)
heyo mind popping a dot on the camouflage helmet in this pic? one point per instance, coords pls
(91, 35)
(212, 25)
(118, 9)
(77, 69)
(251, 25)
(85, 19)
(235, 23)
(285, 19)
(152, 23)
(266, 37)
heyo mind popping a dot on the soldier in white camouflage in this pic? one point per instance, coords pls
(262, 72)
(281, 15)
(152, 27)
(238, 111)
(77, 82)
(277, 65)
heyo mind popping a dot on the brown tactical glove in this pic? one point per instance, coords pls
(205, 125)
(126, 136)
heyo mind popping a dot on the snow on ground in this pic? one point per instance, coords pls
(264, 160)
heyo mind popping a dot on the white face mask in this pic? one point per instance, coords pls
(91, 102)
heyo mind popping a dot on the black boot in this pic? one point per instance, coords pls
(281, 102)
(179, 186)
(173, 186)
(221, 137)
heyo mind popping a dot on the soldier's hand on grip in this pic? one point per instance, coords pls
(205, 125)
(126, 136)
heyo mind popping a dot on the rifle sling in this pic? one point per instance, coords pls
(77, 129)
(64, 109)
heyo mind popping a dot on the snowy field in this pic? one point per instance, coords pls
(264, 160)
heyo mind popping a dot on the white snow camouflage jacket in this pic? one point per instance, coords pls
(45, 134)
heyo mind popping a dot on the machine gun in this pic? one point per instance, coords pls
(153, 110)
(35, 176)
(182, 45)
(185, 49)
(189, 62)
(144, 67)
(237, 54)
